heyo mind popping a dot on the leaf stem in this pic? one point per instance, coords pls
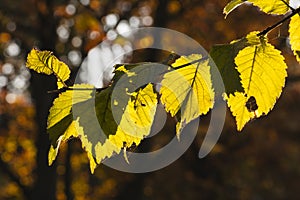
(68, 88)
(192, 62)
(268, 29)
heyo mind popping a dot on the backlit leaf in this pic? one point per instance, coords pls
(45, 62)
(262, 71)
(62, 105)
(61, 125)
(83, 113)
(188, 88)
(135, 123)
(272, 6)
(231, 6)
(295, 35)
(278, 7)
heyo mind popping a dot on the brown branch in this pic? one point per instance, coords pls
(268, 29)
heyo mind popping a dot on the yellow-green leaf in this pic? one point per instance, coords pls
(61, 125)
(262, 71)
(223, 56)
(71, 131)
(135, 123)
(188, 88)
(63, 103)
(45, 62)
(74, 130)
(295, 35)
(231, 6)
(277, 7)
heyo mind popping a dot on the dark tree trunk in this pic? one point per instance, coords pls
(45, 185)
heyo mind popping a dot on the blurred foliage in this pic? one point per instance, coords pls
(17, 133)
(262, 162)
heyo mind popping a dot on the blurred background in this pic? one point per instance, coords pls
(261, 162)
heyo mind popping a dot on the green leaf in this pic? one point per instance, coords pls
(45, 62)
(295, 35)
(103, 106)
(188, 88)
(262, 71)
(277, 7)
(223, 56)
(231, 6)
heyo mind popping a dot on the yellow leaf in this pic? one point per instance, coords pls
(45, 62)
(231, 6)
(86, 145)
(188, 88)
(135, 123)
(70, 132)
(295, 35)
(61, 125)
(63, 103)
(262, 71)
(277, 7)
(237, 105)
(123, 69)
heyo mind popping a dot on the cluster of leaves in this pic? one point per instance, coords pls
(185, 84)
(252, 69)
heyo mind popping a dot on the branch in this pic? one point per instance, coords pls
(288, 5)
(292, 79)
(264, 32)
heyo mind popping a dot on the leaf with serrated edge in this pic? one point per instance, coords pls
(277, 7)
(63, 103)
(61, 125)
(188, 88)
(262, 71)
(45, 62)
(295, 35)
(70, 132)
(135, 123)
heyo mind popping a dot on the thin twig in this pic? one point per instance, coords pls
(192, 62)
(264, 32)
(288, 5)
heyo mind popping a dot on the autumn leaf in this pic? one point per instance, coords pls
(188, 88)
(278, 7)
(60, 124)
(231, 6)
(85, 113)
(295, 35)
(262, 71)
(62, 105)
(45, 62)
(135, 123)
